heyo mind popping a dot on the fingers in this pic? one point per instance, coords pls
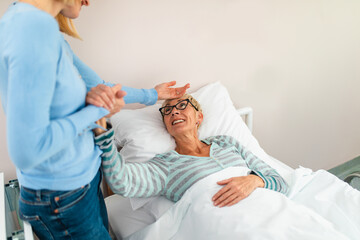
(120, 94)
(107, 93)
(235, 201)
(228, 199)
(101, 122)
(116, 88)
(119, 103)
(224, 198)
(225, 181)
(186, 86)
(236, 189)
(94, 102)
(98, 99)
(101, 96)
(221, 192)
(169, 84)
(165, 90)
(179, 92)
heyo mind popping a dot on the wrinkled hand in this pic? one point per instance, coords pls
(110, 98)
(165, 92)
(236, 189)
(101, 122)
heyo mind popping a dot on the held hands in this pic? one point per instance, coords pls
(236, 189)
(165, 92)
(110, 98)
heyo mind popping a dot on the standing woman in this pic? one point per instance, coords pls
(51, 100)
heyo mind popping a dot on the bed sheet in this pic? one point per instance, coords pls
(319, 206)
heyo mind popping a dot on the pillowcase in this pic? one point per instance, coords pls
(142, 134)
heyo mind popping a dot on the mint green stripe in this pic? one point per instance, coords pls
(150, 187)
(145, 181)
(189, 172)
(191, 181)
(104, 136)
(133, 180)
(152, 172)
(191, 166)
(158, 170)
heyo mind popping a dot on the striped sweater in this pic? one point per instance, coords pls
(171, 174)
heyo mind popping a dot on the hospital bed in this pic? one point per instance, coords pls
(327, 201)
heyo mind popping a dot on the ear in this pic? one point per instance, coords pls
(200, 117)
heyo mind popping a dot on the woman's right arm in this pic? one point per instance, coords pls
(130, 179)
(31, 58)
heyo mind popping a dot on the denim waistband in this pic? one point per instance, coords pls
(48, 192)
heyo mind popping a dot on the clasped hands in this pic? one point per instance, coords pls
(236, 189)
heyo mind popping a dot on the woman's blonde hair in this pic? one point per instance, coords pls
(66, 24)
(186, 96)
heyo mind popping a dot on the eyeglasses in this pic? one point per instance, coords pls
(179, 106)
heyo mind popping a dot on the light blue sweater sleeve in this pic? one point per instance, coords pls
(37, 123)
(33, 135)
(143, 96)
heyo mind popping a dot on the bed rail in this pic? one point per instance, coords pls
(247, 114)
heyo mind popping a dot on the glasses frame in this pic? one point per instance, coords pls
(175, 106)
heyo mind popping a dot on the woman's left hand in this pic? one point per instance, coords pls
(165, 92)
(236, 189)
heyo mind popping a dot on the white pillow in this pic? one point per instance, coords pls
(142, 134)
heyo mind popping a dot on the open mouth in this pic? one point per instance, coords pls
(177, 121)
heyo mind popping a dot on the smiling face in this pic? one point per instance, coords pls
(181, 122)
(72, 10)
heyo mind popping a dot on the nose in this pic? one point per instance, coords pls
(174, 111)
(85, 2)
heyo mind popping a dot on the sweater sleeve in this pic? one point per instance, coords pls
(270, 176)
(134, 95)
(130, 179)
(32, 57)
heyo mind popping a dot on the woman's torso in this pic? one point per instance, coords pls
(186, 170)
(78, 161)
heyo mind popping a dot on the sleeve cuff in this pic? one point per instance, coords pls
(259, 174)
(143, 96)
(109, 84)
(151, 96)
(104, 137)
(85, 119)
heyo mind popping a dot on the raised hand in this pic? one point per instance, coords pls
(165, 91)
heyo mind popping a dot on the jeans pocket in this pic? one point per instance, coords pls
(38, 226)
(71, 198)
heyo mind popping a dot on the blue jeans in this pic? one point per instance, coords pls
(76, 214)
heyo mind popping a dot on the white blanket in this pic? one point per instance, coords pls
(319, 206)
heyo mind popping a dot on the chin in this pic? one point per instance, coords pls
(74, 16)
(71, 14)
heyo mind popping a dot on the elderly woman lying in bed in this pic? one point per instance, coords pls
(172, 173)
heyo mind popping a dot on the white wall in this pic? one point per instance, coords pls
(295, 62)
